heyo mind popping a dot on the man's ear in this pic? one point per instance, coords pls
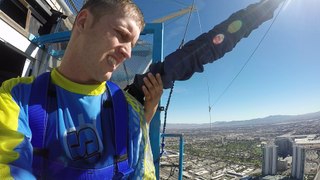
(82, 19)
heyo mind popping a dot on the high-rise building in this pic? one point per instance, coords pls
(269, 159)
(298, 161)
(284, 146)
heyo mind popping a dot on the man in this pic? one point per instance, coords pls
(80, 138)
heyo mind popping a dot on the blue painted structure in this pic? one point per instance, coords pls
(181, 150)
(157, 55)
(51, 38)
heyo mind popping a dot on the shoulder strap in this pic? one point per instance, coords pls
(37, 109)
(120, 117)
(121, 114)
(38, 116)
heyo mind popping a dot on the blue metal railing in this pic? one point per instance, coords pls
(181, 150)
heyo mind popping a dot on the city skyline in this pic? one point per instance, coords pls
(275, 151)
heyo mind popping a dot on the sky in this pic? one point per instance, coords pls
(281, 78)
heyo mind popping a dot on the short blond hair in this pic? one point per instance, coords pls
(102, 7)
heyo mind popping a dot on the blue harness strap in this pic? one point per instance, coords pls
(120, 109)
(37, 109)
(38, 117)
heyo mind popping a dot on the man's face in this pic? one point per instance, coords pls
(106, 44)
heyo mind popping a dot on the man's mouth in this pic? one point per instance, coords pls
(112, 61)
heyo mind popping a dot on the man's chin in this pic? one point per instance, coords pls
(107, 77)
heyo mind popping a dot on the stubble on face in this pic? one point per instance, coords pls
(96, 48)
(109, 45)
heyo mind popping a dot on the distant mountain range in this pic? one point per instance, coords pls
(274, 119)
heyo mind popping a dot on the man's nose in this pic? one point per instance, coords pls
(125, 50)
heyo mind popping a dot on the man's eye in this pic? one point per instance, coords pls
(125, 37)
(118, 33)
(121, 34)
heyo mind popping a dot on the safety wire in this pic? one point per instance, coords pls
(209, 98)
(171, 89)
(249, 58)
